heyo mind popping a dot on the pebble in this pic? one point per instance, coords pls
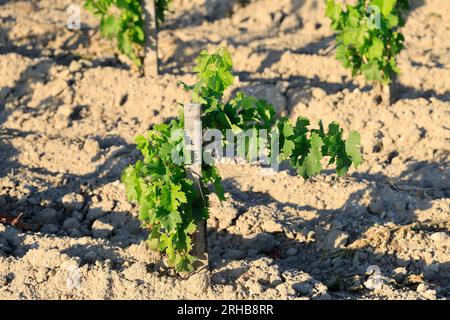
(375, 282)
(49, 228)
(318, 93)
(439, 237)
(198, 283)
(74, 66)
(45, 216)
(377, 207)
(291, 252)
(46, 258)
(262, 242)
(272, 227)
(77, 215)
(92, 146)
(336, 239)
(136, 271)
(285, 289)
(101, 229)
(90, 256)
(3, 280)
(71, 223)
(70, 264)
(3, 243)
(422, 287)
(252, 253)
(64, 111)
(72, 201)
(94, 213)
(430, 294)
(303, 288)
(234, 254)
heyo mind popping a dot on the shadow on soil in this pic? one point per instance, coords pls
(340, 268)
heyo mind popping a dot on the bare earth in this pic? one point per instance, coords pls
(70, 107)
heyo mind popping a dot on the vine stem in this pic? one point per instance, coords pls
(387, 92)
(151, 39)
(193, 135)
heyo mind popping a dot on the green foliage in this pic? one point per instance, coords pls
(122, 21)
(303, 147)
(161, 7)
(368, 40)
(170, 204)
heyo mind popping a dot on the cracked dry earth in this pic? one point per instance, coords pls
(70, 107)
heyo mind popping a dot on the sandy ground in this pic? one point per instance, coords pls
(70, 107)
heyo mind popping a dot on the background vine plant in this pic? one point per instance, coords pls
(368, 40)
(122, 21)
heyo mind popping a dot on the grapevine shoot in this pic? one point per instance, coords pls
(368, 39)
(171, 205)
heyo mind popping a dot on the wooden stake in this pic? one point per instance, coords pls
(193, 134)
(387, 93)
(151, 39)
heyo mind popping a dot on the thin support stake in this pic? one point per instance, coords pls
(193, 135)
(151, 39)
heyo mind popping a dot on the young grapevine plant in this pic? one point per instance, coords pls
(122, 21)
(367, 36)
(171, 205)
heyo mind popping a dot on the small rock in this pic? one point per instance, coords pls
(403, 262)
(422, 287)
(92, 146)
(285, 290)
(430, 294)
(252, 253)
(64, 111)
(74, 66)
(318, 93)
(291, 251)
(375, 282)
(90, 256)
(3, 244)
(400, 274)
(101, 229)
(439, 237)
(45, 216)
(136, 271)
(94, 213)
(77, 215)
(234, 254)
(323, 296)
(49, 228)
(303, 288)
(255, 287)
(72, 201)
(71, 223)
(19, 252)
(400, 207)
(44, 258)
(433, 267)
(272, 227)
(3, 280)
(70, 264)
(198, 283)
(335, 240)
(262, 242)
(377, 207)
